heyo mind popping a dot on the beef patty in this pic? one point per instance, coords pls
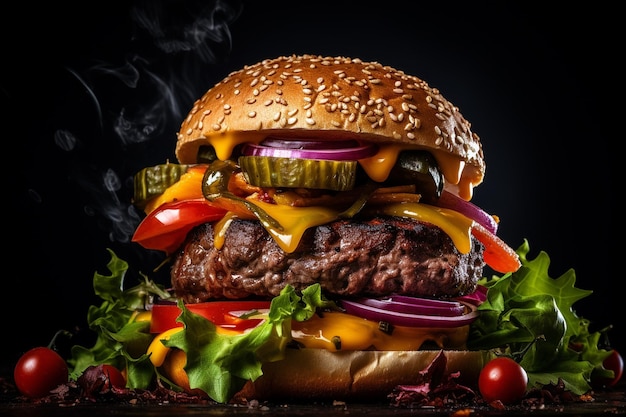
(373, 258)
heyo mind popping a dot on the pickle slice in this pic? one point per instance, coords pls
(270, 171)
(153, 181)
(419, 168)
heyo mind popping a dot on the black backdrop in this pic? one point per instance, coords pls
(96, 92)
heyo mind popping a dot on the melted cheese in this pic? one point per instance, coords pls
(456, 225)
(296, 220)
(339, 331)
(380, 165)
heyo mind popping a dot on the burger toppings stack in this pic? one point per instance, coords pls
(334, 172)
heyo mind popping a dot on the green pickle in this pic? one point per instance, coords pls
(153, 181)
(268, 171)
(419, 168)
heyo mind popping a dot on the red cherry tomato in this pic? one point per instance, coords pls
(502, 379)
(39, 371)
(614, 362)
(218, 312)
(166, 227)
(114, 375)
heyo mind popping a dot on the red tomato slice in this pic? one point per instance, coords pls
(498, 255)
(218, 312)
(166, 227)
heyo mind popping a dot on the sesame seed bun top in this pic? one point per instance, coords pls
(330, 97)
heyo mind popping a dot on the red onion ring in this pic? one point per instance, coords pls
(476, 298)
(453, 202)
(309, 144)
(449, 309)
(406, 319)
(340, 154)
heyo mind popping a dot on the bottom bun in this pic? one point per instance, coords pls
(320, 374)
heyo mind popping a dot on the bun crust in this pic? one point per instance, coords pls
(333, 98)
(354, 375)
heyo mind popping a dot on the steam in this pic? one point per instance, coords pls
(139, 99)
(208, 24)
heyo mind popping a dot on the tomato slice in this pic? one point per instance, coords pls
(218, 312)
(498, 255)
(166, 227)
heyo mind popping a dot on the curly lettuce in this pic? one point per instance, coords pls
(530, 315)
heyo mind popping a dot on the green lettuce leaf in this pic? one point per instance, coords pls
(120, 340)
(220, 365)
(531, 315)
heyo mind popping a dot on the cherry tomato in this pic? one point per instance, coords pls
(114, 375)
(614, 362)
(38, 371)
(166, 227)
(502, 379)
(164, 315)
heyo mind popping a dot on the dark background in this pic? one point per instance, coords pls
(95, 92)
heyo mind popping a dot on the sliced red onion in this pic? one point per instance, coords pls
(309, 144)
(423, 301)
(406, 319)
(341, 154)
(415, 307)
(468, 209)
(476, 298)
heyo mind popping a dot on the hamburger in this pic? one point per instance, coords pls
(321, 205)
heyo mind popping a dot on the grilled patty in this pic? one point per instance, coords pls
(371, 258)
